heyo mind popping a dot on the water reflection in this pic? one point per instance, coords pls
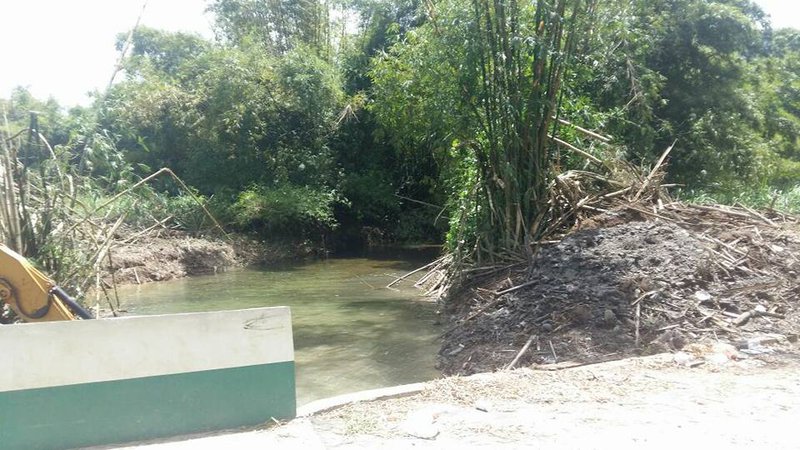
(350, 332)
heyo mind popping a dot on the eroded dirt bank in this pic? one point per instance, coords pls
(177, 255)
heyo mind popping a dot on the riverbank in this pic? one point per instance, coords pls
(637, 403)
(172, 255)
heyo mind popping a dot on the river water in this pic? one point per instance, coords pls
(350, 332)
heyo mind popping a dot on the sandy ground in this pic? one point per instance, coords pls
(653, 402)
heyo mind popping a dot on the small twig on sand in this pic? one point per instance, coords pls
(521, 352)
(478, 312)
(652, 214)
(516, 288)
(721, 210)
(553, 349)
(644, 296)
(744, 318)
(758, 215)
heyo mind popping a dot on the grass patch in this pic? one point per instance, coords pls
(786, 201)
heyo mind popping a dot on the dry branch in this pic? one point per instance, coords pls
(522, 352)
(425, 267)
(590, 133)
(652, 174)
(575, 149)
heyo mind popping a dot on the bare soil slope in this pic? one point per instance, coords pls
(176, 255)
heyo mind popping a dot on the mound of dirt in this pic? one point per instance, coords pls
(685, 275)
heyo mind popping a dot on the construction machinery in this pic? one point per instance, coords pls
(32, 295)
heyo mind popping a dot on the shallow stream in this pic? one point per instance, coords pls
(350, 332)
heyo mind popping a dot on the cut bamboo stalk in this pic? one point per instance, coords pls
(655, 170)
(521, 352)
(592, 134)
(583, 153)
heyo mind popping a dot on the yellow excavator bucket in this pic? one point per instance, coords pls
(28, 291)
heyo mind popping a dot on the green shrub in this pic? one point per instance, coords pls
(763, 197)
(285, 210)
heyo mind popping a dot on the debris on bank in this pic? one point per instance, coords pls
(634, 281)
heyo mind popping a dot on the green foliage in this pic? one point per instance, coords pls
(775, 80)
(678, 69)
(155, 51)
(384, 176)
(225, 118)
(145, 207)
(229, 117)
(42, 216)
(485, 78)
(787, 201)
(277, 26)
(286, 211)
(707, 73)
(373, 200)
(50, 119)
(188, 215)
(289, 124)
(467, 215)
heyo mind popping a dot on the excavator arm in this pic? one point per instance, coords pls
(31, 294)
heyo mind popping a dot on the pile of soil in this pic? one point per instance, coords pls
(631, 282)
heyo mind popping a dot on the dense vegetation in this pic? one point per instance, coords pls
(437, 120)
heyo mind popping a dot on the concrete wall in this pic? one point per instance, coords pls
(71, 384)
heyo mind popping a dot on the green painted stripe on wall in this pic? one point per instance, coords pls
(136, 409)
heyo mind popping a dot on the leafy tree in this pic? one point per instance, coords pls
(49, 117)
(277, 25)
(299, 125)
(677, 69)
(479, 82)
(154, 51)
(775, 83)
(228, 118)
(391, 187)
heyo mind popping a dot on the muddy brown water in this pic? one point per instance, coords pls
(350, 332)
